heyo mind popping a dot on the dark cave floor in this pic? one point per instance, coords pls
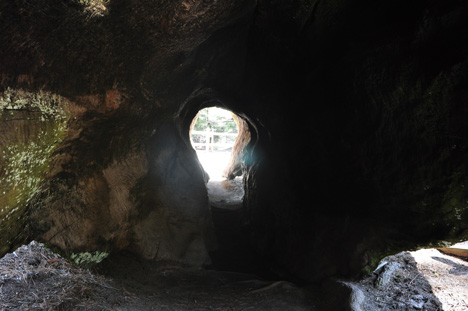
(34, 278)
(237, 279)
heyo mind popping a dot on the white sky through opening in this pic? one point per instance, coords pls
(213, 138)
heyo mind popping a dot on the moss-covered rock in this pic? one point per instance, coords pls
(32, 125)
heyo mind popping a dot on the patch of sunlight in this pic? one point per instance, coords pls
(95, 8)
(447, 275)
(212, 136)
(214, 163)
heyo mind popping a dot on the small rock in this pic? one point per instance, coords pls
(386, 275)
(398, 306)
(381, 265)
(417, 302)
(357, 299)
(418, 297)
(418, 305)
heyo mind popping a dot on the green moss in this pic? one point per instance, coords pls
(25, 162)
(87, 259)
(91, 2)
(455, 207)
(49, 104)
(374, 258)
(385, 249)
(95, 8)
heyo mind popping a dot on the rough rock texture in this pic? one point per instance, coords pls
(357, 111)
(32, 126)
(378, 162)
(240, 150)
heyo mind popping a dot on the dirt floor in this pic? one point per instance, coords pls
(223, 193)
(226, 194)
(34, 278)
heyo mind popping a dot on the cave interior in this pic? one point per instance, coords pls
(354, 114)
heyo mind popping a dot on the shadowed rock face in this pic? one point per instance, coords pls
(240, 150)
(357, 113)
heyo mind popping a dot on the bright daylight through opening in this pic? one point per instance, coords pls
(213, 136)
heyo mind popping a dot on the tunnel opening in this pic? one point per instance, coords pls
(212, 135)
(219, 137)
(222, 141)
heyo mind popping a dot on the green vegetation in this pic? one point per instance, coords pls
(87, 259)
(92, 2)
(94, 8)
(374, 257)
(454, 209)
(48, 104)
(25, 160)
(26, 165)
(216, 119)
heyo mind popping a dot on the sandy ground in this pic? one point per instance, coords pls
(227, 194)
(214, 163)
(223, 193)
(447, 275)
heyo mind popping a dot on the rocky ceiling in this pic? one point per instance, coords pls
(357, 111)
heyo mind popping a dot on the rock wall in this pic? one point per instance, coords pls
(33, 124)
(356, 109)
(377, 163)
(236, 166)
(120, 176)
